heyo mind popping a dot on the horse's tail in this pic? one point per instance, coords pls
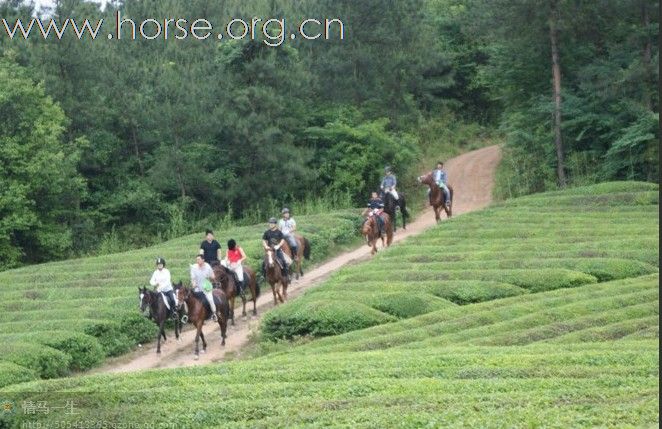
(306, 248)
(253, 276)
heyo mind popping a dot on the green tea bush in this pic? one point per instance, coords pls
(468, 292)
(114, 341)
(320, 318)
(11, 373)
(44, 361)
(85, 350)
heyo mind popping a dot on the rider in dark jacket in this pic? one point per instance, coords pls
(376, 206)
(273, 237)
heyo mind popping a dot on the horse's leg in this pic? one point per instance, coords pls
(275, 293)
(204, 343)
(232, 308)
(177, 327)
(283, 297)
(223, 324)
(162, 324)
(198, 330)
(158, 337)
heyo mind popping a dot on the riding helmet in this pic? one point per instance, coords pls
(285, 210)
(272, 220)
(160, 260)
(387, 168)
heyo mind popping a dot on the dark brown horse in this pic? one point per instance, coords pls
(390, 208)
(198, 312)
(226, 280)
(437, 196)
(370, 231)
(303, 252)
(274, 276)
(158, 312)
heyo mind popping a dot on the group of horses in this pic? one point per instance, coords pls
(370, 229)
(192, 306)
(194, 309)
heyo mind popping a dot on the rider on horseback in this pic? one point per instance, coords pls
(202, 273)
(273, 237)
(210, 248)
(233, 260)
(287, 226)
(376, 207)
(441, 179)
(161, 282)
(388, 183)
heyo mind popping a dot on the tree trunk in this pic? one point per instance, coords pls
(556, 73)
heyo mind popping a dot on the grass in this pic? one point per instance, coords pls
(514, 339)
(79, 312)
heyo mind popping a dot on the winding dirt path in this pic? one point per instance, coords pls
(472, 176)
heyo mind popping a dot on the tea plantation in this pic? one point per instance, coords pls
(538, 312)
(68, 316)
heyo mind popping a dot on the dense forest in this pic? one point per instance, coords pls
(141, 140)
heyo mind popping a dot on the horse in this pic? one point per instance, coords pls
(437, 196)
(198, 312)
(226, 280)
(159, 312)
(274, 275)
(391, 204)
(303, 252)
(370, 231)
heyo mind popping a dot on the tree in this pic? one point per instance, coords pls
(40, 189)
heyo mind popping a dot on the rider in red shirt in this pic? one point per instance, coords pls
(233, 259)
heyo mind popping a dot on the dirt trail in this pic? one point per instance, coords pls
(472, 176)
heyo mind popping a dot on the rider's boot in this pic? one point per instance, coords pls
(242, 288)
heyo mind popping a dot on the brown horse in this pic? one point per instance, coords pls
(274, 276)
(437, 196)
(159, 313)
(370, 230)
(303, 252)
(198, 312)
(226, 280)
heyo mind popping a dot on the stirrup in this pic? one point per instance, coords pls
(214, 317)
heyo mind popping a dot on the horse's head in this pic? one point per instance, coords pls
(182, 292)
(220, 274)
(270, 257)
(426, 179)
(145, 298)
(368, 226)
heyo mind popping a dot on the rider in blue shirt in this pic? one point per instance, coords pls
(441, 178)
(388, 183)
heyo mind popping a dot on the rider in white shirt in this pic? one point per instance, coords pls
(162, 283)
(287, 226)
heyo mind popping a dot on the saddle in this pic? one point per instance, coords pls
(165, 300)
(200, 296)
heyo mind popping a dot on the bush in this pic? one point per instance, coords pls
(138, 328)
(11, 373)
(114, 341)
(405, 305)
(469, 292)
(45, 361)
(320, 318)
(85, 350)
